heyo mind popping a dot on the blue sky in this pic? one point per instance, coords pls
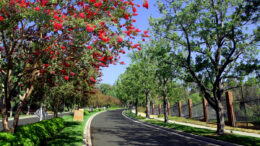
(111, 73)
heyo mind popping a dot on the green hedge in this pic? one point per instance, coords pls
(97, 110)
(86, 112)
(33, 134)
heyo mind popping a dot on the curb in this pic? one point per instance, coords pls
(86, 134)
(183, 134)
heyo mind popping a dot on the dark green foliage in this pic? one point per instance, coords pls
(6, 139)
(96, 110)
(33, 134)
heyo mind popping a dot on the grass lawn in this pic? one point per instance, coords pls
(238, 139)
(114, 108)
(72, 134)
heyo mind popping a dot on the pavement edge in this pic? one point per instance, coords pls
(86, 134)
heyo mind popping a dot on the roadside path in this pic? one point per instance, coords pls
(203, 127)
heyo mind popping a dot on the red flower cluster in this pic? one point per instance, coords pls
(57, 26)
(146, 4)
(66, 78)
(98, 5)
(2, 18)
(37, 9)
(120, 40)
(90, 29)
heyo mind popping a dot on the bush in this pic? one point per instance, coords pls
(86, 112)
(6, 139)
(95, 110)
(33, 134)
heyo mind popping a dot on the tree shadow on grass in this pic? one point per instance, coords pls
(67, 136)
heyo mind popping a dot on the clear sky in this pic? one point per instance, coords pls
(111, 73)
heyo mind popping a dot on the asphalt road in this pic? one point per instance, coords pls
(111, 128)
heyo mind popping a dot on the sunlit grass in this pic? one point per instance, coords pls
(72, 134)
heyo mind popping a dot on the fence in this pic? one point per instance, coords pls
(236, 110)
(247, 105)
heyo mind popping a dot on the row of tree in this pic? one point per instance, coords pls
(54, 49)
(207, 42)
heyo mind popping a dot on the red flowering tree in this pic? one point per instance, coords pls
(47, 38)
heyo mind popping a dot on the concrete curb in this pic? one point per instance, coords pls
(87, 133)
(183, 134)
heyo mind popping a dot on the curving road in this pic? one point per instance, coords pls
(111, 128)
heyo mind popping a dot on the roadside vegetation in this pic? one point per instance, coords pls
(33, 134)
(72, 134)
(56, 131)
(198, 50)
(233, 138)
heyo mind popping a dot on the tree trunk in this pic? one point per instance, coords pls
(64, 107)
(220, 118)
(16, 117)
(165, 101)
(165, 108)
(136, 106)
(55, 112)
(28, 112)
(5, 118)
(11, 110)
(3, 106)
(147, 104)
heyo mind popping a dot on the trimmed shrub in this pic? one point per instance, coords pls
(6, 139)
(95, 110)
(33, 134)
(86, 112)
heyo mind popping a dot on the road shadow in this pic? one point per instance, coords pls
(112, 128)
(67, 137)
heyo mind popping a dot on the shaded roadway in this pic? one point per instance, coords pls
(113, 129)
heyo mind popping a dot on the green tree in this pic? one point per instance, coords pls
(128, 86)
(145, 67)
(159, 50)
(106, 89)
(210, 41)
